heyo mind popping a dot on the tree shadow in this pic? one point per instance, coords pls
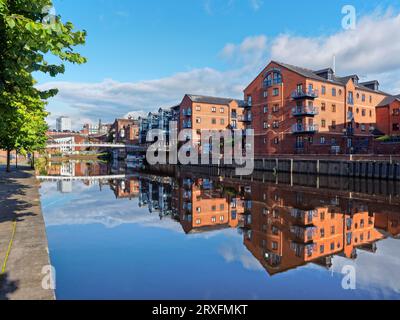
(12, 208)
(7, 286)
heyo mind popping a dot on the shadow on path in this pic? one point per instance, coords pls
(12, 208)
(7, 287)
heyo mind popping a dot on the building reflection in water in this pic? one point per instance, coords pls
(283, 226)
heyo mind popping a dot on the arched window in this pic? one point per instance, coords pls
(272, 77)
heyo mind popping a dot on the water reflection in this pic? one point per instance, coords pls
(285, 222)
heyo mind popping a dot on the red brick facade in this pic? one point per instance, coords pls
(299, 111)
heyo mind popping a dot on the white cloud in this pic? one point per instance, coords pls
(370, 51)
(376, 273)
(367, 49)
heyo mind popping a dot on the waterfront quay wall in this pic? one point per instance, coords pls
(373, 167)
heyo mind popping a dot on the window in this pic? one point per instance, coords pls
(198, 108)
(340, 92)
(275, 124)
(370, 99)
(322, 216)
(333, 124)
(265, 109)
(334, 92)
(332, 246)
(370, 113)
(198, 221)
(333, 141)
(198, 209)
(323, 90)
(214, 208)
(213, 219)
(221, 110)
(274, 245)
(222, 218)
(322, 233)
(276, 140)
(396, 127)
(363, 98)
(214, 109)
(333, 231)
(363, 127)
(222, 207)
(322, 249)
(275, 92)
(350, 98)
(265, 125)
(323, 141)
(396, 112)
(265, 94)
(275, 108)
(214, 121)
(323, 123)
(222, 121)
(249, 100)
(363, 112)
(323, 106)
(334, 108)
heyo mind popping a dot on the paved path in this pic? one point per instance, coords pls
(20, 203)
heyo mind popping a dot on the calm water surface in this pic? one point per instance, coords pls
(130, 236)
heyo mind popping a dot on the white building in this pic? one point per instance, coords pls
(63, 124)
(65, 144)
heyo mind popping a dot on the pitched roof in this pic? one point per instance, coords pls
(308, 73)
(388, 100)
(213, 100)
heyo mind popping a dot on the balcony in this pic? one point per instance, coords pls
(349, 131)
(187, 124)
(245, 118)
(307, 128)
(304, 216)
(187, 112)
(300, 94)
(308, 111)
(187, 195)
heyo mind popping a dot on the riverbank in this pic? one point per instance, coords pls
(23, 240)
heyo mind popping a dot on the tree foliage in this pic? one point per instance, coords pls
(28, 34)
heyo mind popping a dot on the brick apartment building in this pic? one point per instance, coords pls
(125, 131)
(292, 229)
(388, 116)
(299, 111)
(202, 208)
(210, 113)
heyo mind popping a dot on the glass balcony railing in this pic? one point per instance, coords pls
(246, 118)
(305, 128)
(309, 94)
(300, 111)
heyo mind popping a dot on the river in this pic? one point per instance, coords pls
(189, 236)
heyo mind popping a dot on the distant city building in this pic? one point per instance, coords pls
(63, 124)
(125, 131)
(96, 129)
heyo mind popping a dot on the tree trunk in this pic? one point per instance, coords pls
(16, 159)
(8, 160)
(33, 160)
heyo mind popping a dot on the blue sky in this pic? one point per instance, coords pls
(182, 45)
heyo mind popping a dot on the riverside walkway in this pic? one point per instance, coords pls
(23, 241)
